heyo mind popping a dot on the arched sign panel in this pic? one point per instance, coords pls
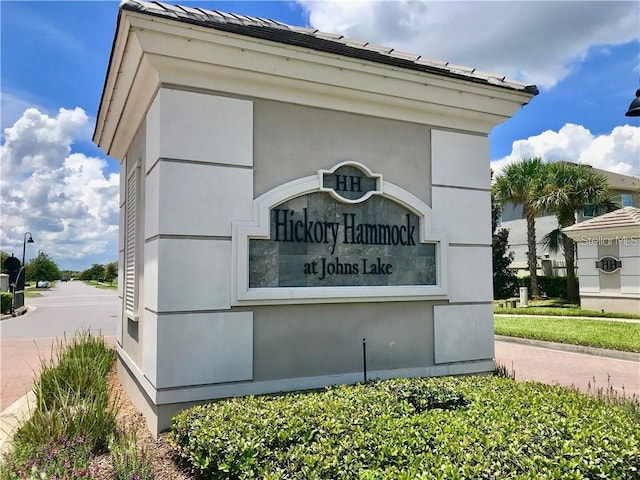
(343, 235)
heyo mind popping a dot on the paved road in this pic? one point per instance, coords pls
(61, 310)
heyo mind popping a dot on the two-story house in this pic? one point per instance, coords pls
(624, 190)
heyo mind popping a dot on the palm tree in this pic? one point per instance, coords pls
(568, 188)
(521, 183)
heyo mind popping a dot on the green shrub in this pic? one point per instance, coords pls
(6, 300)
(73, 417)
(64, 458)
(77, 369)
(92, 418)
(425, 396)
(552, 287)
(495, 428)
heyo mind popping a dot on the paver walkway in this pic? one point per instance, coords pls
(20, 362)
(569, 369)
(20, 366)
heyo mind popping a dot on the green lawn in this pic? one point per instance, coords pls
(592, 333)
(108, 286)
(561, 311)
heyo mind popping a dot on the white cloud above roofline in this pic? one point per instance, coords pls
(538, 42)
(617, 151)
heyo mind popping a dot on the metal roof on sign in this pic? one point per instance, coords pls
(319, 41)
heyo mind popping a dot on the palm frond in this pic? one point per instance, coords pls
(553, 241)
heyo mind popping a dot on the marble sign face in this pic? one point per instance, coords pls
(317, 241)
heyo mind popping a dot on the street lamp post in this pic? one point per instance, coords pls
(24, 245)
(634, 108)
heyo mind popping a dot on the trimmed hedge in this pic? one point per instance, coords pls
(473, 427)
(6, 299)
(552, 287)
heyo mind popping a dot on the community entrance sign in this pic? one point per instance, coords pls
(252, 156)
(345, 227)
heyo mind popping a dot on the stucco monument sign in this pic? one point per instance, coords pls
(319, 191)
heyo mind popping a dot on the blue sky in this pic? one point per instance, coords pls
(584, 57)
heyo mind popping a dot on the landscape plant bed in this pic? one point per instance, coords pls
(74, 422)
(472, 427)
(561, 312)
(623, 336)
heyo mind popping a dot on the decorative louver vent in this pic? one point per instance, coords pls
(130, 245)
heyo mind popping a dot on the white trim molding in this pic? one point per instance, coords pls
(259, 228)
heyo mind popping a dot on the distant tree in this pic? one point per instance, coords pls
(94, 273)
(567, 189)
(521, 183)
(111, 272)
(69, 273)
(42, 267)
(3, 257)
(505, 283)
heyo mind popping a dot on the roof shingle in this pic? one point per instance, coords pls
(623, 217)
(320, 41)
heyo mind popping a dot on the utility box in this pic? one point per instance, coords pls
(524, 297)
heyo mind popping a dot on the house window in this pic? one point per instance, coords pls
(588, 211)
(626, 200)
(131, 255)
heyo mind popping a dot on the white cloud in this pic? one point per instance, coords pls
(13, 105)
(64, 199)
(618, 151)
(539, 42)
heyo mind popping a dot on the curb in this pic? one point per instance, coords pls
(18, 313)
(23, 311)
(12, 417)
(566, 347)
